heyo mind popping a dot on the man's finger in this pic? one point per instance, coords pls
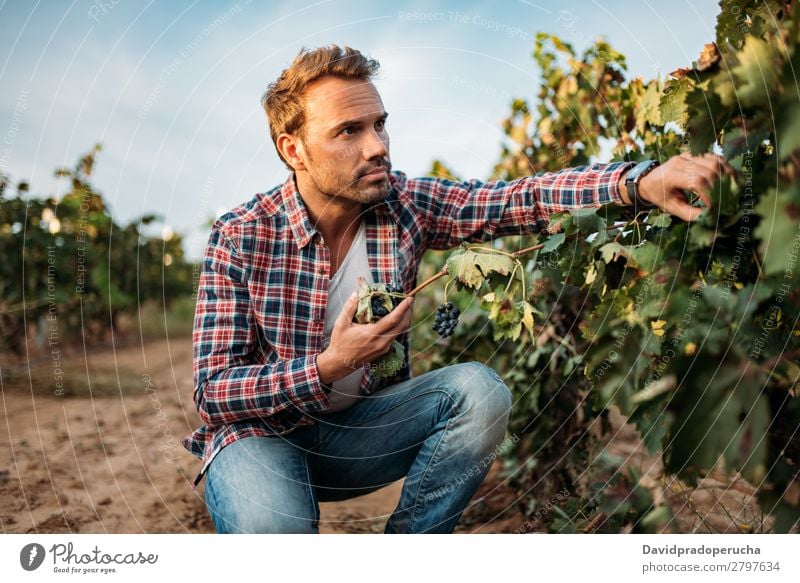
(678, 207)
(713, 169)
(385, 324)
(348, 311)
(699, 181)
(719, 163)
(401, 326)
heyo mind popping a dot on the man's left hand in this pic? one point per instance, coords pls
(665, 186)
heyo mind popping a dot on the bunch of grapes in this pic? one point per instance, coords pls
(382, 300)
(395, 289)
(446, 319)
(378, 307)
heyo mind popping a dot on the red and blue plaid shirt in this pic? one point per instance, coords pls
(262, 292)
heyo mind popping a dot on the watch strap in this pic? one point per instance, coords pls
(632, 186)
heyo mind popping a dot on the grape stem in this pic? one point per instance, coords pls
(428, 282)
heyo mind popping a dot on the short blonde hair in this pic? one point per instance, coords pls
(283, 100)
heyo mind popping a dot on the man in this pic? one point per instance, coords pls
(293, 414)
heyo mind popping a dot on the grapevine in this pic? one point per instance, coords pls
(497, 274)
(690, 332)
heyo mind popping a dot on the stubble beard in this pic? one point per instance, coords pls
(339, 188)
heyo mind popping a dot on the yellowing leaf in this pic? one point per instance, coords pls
(527, 318)
(709, 57)
(591, 274)
(471, 267)
(390, 363)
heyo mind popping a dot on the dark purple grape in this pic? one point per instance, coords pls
(445, 319)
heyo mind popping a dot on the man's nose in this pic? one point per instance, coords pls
(374, 146)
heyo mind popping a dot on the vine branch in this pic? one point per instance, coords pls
(515, 255)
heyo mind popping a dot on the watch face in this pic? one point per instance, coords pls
(637, 170)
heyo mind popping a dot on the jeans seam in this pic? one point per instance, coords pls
(434, 459)
(209, 493)
(314, 505)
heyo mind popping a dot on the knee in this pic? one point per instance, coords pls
(275, 522)
(235, 509)
(255, 520)
(480, 390)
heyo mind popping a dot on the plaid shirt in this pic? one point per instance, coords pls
(262, 293)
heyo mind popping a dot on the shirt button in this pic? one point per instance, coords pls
(321, 271)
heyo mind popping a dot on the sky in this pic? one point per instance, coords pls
(172, 89)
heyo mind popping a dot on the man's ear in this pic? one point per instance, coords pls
(292, 151)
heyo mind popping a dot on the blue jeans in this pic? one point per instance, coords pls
(441, 430)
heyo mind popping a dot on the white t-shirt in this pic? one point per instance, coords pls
(343, 283)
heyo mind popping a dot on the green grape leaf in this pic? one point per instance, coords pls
(390, 363)
(726, 416)
(557, 219)
(789, 129)
(610, 251)
(588, 221)
(757, 72)
(706, 121)
(659, 218)
(730, 22)
(648, 111)
(673, 101)
(553, 242)
(778, 231)
(644, 256)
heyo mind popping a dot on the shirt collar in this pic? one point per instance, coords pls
(297, 214)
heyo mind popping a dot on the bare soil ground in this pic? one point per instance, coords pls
(105, 457)
(101, 453)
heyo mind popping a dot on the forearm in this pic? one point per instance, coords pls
(259, 391)
(332, 367)
(588, 186)
(478, 211)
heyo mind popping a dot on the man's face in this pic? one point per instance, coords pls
(345, 147)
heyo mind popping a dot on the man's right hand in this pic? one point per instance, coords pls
(354, 344)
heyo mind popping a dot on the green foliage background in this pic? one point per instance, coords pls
(69, 271)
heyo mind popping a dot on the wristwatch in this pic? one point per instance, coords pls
(632, 179)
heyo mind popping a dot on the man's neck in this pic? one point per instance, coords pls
(334, 217)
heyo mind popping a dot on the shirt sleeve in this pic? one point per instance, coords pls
(229, 385)
(476, 211)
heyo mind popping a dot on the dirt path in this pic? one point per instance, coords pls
(107, 457)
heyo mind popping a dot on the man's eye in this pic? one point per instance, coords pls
(348, 131)
(380, 125)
